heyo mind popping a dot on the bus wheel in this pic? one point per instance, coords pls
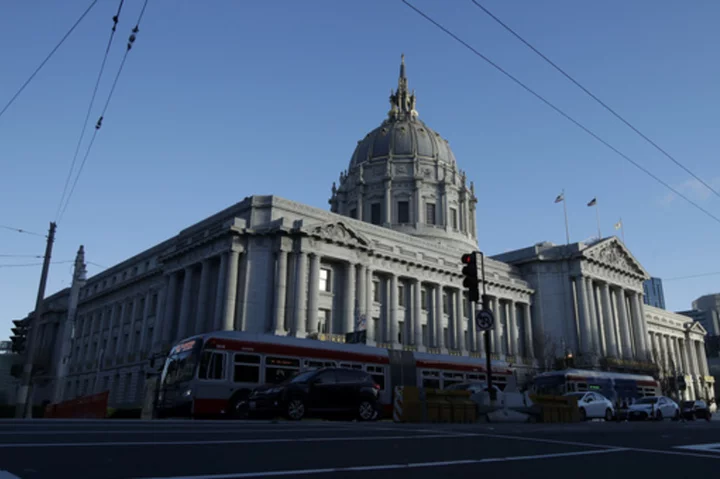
(296, 409)
(239, 408)
(367, 411)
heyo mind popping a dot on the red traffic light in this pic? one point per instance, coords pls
(468, 258)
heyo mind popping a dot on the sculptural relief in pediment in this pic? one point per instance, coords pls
(615, 255)
(339, 233)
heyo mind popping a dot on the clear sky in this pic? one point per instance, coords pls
(223, 99)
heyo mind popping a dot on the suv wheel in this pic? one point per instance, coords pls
(367, 410)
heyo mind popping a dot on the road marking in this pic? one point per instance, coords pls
(170, 431)
(230, 441)
(385, 467)
(713, 447)
(8, 475)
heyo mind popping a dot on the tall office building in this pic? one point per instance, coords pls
(654, 295)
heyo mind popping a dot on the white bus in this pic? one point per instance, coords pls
(213, 374)
(614, 386)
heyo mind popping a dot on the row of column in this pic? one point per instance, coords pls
(115, 315)
(679, 355)
(610, 320)
(213, 307)
(357, 300)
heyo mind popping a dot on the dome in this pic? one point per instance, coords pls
(402, 134)
(402, 138)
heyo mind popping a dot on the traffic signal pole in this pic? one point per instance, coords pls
(488, 353)
(23, 404)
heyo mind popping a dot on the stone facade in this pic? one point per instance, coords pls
(385, 259)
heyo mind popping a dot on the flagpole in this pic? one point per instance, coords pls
(622, 230)
(567, 228)
(597, 215)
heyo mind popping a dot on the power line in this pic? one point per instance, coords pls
(52, 52)
(98, 125)
(95, 264)
(20, 230)
(115, 19)
(21, 265)
(691, 276)
(21, 256)
(560, 111)
(598, 100)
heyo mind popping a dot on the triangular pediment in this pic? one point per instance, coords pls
(695, 327)
(612, 252)
(339, 232)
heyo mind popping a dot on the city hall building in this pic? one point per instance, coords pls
(385, 259)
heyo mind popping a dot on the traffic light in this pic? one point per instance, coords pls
(19, 337)
(470, 271)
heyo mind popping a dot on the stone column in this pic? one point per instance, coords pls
(201, 320)
(278, 326)
(611, 344)
(185, 304)
(370, 324)
(438, 317)
(300, 317)
(417, 313)
(121, 332)
(360, 202)
(159, 319)
(585, 331)
(220, 292)
(313, 294)
(393, 309)
(641, 339)
(529, 346)
(702, 359)
(460, 322)
(497, 330)
(512, 329)
(388, 202)
(350, 298)
(144, 326)
(417, 206)
(595, 330)
(623, 322)
(231, 291)
(131, 334)
(684, 355)
(361, 290)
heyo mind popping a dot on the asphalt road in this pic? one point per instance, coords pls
(334, 450)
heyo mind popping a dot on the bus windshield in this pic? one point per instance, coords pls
(181, 362)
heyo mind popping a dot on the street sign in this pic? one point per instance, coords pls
(484, 320)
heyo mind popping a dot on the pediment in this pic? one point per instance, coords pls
(695, 327)
(612, 253)
(339, 232)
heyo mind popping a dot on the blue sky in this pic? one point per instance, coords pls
(220, 100)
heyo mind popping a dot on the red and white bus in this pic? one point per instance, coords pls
(614, 386)
(213, 374)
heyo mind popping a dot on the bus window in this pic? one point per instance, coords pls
(212, 366)
(247, 368)
(451, 378)
(431, 379)
(312, 364)
(475, 377)
(378, 375)
(351, 366)
(278, 370)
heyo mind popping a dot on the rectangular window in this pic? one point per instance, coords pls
(324, 321)
(401, 295)
(430, 213)
(375, 214)
(325, 282)
(453, 218)
(401, 328)
(212, 366)
(278, 370)
(403, 212)
(247, 368)
(424, 300)
(446, 303)
(353, 213)
(376, 291)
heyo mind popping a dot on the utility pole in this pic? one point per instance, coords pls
(488, 352)
(23, 404)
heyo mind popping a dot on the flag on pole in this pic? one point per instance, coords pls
(593, 202)
(560, 197)
(618, 225)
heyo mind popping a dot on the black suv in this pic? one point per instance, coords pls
(319, 392)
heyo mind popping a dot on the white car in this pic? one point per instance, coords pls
(654, 407)
(593, 405)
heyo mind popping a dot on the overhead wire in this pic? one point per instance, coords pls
(115, 19)
(598, 100)
(20, 230)
(52, 52)
(98, 125)
(560, 111)
(21, 265)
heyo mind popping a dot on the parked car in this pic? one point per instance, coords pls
(593, 405)
(320, 392)
(695, 410)
(654, 407)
